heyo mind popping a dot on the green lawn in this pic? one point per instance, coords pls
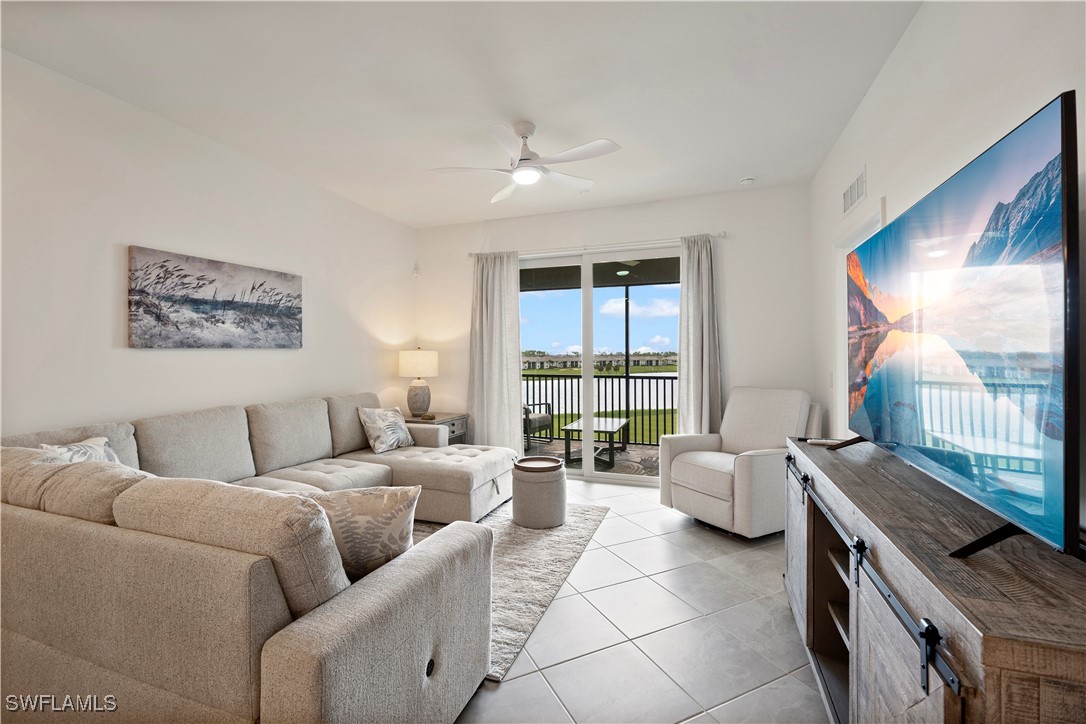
(646, 426)
(615, 372)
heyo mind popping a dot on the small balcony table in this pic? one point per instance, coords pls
(609, 426)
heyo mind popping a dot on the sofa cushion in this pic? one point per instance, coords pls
(712, 473)
(539, 421)
(93, 449)
(426, 435)
(328, 474)
(347, 432)
(371, 526)
(121, 437)
(290, 530)
(212, 444)
(288, 433)
(276, 485)
(385, 428)
(762, 419)
(39, 480)
(455, 468)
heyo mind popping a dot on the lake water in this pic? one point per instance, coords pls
(652, 391)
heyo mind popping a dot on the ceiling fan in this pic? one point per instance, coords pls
(526, 166)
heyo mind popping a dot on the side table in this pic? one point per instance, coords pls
(457, 422)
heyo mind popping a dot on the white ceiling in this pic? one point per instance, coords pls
(361, 98)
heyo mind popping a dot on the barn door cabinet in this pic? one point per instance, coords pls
(895, 629)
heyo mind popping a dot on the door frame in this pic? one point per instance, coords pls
(586, 258)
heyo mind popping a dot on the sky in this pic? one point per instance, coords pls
(550, 321)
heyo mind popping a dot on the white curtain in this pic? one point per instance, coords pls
(700, 405)
(494, 396)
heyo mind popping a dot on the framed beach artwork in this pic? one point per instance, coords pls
(180, 301)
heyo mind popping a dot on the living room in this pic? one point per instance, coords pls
(301, 137)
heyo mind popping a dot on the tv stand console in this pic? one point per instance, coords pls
(898, 630)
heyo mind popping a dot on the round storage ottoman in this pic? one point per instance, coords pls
(539, 492)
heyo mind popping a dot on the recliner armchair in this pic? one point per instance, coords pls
(735, 479)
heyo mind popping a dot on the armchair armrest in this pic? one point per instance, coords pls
(758, 494)
(751, 454)
(672, 445)
(429, 435)
(366, 654)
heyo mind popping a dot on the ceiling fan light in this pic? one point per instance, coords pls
(526, 175)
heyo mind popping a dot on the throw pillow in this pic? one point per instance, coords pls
(371, 525)
(93, 449)
(386, 429)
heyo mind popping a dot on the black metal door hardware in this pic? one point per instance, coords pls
(924, 632)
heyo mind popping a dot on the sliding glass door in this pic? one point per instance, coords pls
(551, 357)
(599, 334)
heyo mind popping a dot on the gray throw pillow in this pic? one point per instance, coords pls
(93, 449)
(386, 429)
(371, 525)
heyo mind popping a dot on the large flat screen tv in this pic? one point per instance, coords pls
(963, 330)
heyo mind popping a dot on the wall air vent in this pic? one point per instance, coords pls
(855, 193)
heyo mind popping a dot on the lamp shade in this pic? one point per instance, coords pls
(418, 363)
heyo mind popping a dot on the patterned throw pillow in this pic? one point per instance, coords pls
(93, 449)
(371, 525)
(386, 429)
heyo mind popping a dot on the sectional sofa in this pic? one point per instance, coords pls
(305, 445)
(239, 610)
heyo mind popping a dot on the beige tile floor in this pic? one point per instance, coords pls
(661, 620)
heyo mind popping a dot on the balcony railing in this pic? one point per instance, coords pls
(993, 416)
(647, 400)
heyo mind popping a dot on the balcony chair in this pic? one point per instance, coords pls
(735, 479)
(538, 416)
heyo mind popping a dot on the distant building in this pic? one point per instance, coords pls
(602, 361)
(550, 362)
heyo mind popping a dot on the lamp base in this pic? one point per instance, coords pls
(418, 397)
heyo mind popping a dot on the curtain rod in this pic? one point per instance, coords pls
(631, 246)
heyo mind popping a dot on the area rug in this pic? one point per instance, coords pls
(634, 460)
(529, 567)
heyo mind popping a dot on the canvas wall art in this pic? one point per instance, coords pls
(179, 301)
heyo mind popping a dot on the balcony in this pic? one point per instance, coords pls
(646, 400)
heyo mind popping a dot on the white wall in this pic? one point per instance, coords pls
(85, 175)
(762, 271)
(962, 76)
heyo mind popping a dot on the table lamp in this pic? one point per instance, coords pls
(418, 363)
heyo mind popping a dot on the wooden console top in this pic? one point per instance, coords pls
(1023, 598)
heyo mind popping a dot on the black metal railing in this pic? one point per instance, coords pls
(648, 401)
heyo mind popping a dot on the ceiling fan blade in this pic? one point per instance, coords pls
(453, 169)
(599, 147)
(504, 193)
(564, 179)
(507, 138)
